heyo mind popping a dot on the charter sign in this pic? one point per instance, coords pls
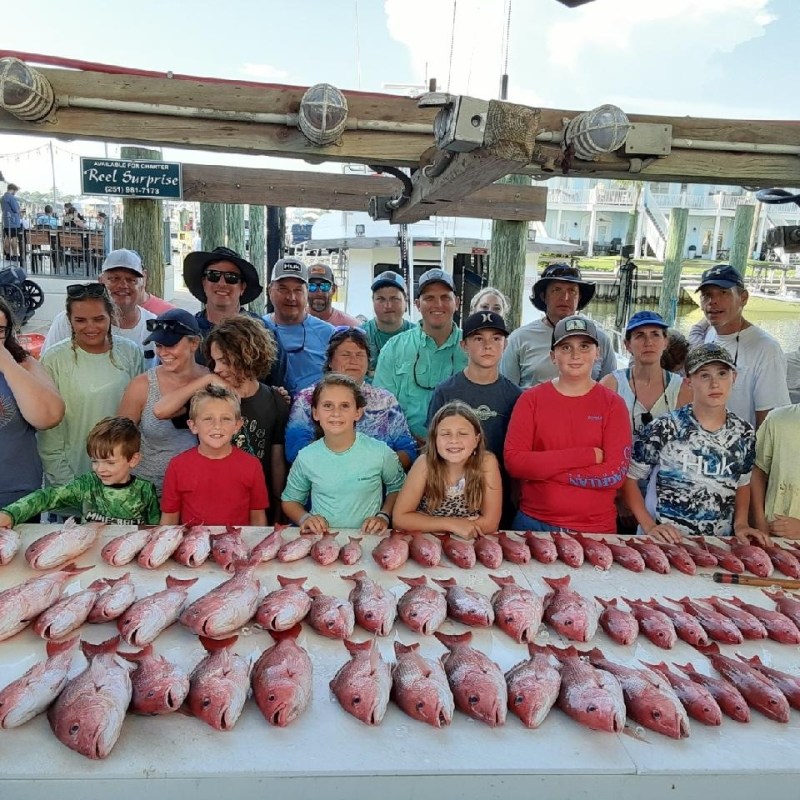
(160, 180)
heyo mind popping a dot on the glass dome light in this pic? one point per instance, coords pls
(323, 114)
(596, 132)
(25, 92)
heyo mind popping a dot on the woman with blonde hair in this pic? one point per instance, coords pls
(490, 299)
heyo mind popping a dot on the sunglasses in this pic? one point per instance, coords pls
(169, 326)
(321, 286)
(431, 388)
(215, 275)
(79, 291)
(561, 272)
(340, 329)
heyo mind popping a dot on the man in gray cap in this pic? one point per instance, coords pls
(321, 291)
(389, 302)
(560, 292)
(302, 337)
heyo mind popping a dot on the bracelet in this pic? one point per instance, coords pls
(305, 516)
(385, 516)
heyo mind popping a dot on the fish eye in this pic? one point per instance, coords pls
(356, 700)
(519, 699)
(591, 707)
(473, 699)
(368, 615)
(74, 729)
(656, 714)
(420, 705)
(206, 702)
(151, 693)
(271, 698)
(413, 614)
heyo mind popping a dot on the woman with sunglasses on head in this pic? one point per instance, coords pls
(91, 371)
(29, 401)
(383, 419)
(176, 337)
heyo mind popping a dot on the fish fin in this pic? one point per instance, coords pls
(374, 656)
(233, 530)
(736, 601)
(109, 646)
(708, 649)
(290, 633)
(357, 647)
(354, 539)
(661, 666)
(612, 603)
(595, 654)
(212, 645)
(138, 655)
(53, 648)
(775, 596)
(503, 580)
(179, 583)
(401, 649)
(445, 583)
(452, 640)
(314, 591)
(687, 668)
(536, 649)
(73, 569)
(754, 660)
(557, 583)
(356, 576)
(284, 581)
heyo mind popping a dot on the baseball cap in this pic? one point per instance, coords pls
(703, 354)
(483, 320)
(389, 278)
(641, 318)
(124, 259)
(723, 275)
(290, 268)
(171, 326)
(435, 275)
(574, 326)
(321, 272)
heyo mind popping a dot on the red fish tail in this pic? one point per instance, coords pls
(358, 647)
(179, 583)
(290, 633)
(453, 640)
(420, 581)
(91, 650)
(138, 655)
(356, 576)
(53, 648)
(212, 645)
(401, 649)
(284, 581)
(503, 580)
(557, 583)
(445, 583)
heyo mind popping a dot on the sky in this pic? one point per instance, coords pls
(712, 58)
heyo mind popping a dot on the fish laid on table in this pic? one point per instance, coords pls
(591, 696)
(700, 555)
(754, 558)
(330, 616)
(146, 618)
(543, 548)
(788, 684)
(728, 697)
(649, 698)
(654, 624)
(697, 700)
(716, 625)
(515, 551)
(654, 557)
(268, 547)
(164, 541)
(459, 551)
(679, 557)
(478, 685)
(686, 626)
(391, 552)
(195, 547)
(66, 614)
(488, 551)
(786, 604)
(226, 607)
(298, 548)
(569, 549)
(33, 692)
(626, 556)
(228, 548)
(568, 612)
(517, 611)
(779, 626)
(422, 607)
(750, 625)
(620, 625)
(282, 679)
(159, 686)
(117, 595)
(285, 607)
(88, 714)
(59, 547)
(10, 542)
(465, 604)
(21, 604)
(374, 606)
(363, 684)
(351, 552)
(596, 551)
(219, 684)
(325, 550)
(725, 558)
(784, 561)
(533, 686)
(121, 550)
(420, 687)
(426, 551)
(759, 692)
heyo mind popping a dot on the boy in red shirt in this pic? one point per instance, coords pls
(569, 441)
(214, 483)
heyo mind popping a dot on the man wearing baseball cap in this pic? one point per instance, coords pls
(704, 455)
(413, 363)
(302, 337)
(321, 291)
(760, 362)
(559, 293)
(389, 302)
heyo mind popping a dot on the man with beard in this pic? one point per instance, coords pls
(321, 291)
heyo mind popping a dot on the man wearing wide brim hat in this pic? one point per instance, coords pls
(560, 292)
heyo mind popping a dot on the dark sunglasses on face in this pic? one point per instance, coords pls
(170, 326)
(214, 276)
(79, 291)
(321, 286)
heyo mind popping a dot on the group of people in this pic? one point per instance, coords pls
(147, 413)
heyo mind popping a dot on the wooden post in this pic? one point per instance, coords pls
(742, 226)
(276, 235)
(507, 258)
(671, 283)
(258, 251)
(234, 228)
(633, 214)
(212, 225)
(143, 228)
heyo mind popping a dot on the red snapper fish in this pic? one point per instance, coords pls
(282, 679)
(375, 608)
(478, 685)
(160, 546)
(66, 614)
(285, 607)
(422, 608)
(466, 605)
(716, 625)
(20, 604)
(116, 597)
(391, 552)
(298, 548)
(87, 716)
(750, 625)
(754, 558)
(427, 552)
(123, 549)
(787, 683)
(459, 551)
(654, 557)
(686, 626)
(787, 604)
(331, 616)
(756, 688)
(226, 607)
(269, 546)
(779, 626)
(514, 550)
(568, 612)
(33, 692)
(517, 611)
(195, 547)
(596, 551)
(59, 547)
(620, 625)
(728, 697)
(542, 547)
(488, 551)
(654, 624)
(420, 687)
(627, 557)
(533, 686)
(351, 553)
(697, 700)
(219, 684)
(784, 561)
(146, 618)
(678, 556)
(569, 549)
(363, 684)
(159, 686)
(700, 556)
(725, 558)
(592, 697)
(10, 542)
(325, 550)
(228, 548)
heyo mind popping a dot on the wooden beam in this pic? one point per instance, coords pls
(337, 192)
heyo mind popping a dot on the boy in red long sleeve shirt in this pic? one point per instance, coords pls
(569, 441)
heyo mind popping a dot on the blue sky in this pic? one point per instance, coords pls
(727, 58)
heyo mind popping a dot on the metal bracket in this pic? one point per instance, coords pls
(649, 139)
(461, 122)
(379, 208)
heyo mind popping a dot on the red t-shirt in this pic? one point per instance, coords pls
(214, 491)
(550, 447)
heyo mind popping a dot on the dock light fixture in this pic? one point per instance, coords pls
(24, 91)
(323, 114)
(597, 132)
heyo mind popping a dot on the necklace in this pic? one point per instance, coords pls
(647, 416)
